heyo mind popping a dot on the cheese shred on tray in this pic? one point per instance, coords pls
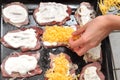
(105, 5)
(60, 70)
(57, 33)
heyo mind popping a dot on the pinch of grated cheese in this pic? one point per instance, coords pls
(105, 5)
(60, 70)
(57, 34)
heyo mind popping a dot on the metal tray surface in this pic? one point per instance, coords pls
(44, 61)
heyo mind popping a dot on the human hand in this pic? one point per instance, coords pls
(91, 34)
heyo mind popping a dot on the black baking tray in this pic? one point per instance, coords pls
(44, 62)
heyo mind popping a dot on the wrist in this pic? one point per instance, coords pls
(112, 22)
(105, 22)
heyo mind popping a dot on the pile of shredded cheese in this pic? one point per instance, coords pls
(60, 70)
(57, 33)
(105, 5)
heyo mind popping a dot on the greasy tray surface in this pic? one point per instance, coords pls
(106, 50)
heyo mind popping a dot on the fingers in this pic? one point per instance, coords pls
(76, 43)
(82, 50)
(79, 45)
(79, 31)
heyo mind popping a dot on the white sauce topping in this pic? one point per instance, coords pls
(74, 27)
(21, 64)
(95, 52)
(25, 38)
(91, 74)
(15, 13)
(46, 43)
(51, 11)
(85, 14)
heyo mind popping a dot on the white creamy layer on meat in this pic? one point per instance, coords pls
(91, 74)
(51, 11)
(21, 64)
(25, 38)
(15, 13)
(46, 43)
(94, 53)
(85, 14)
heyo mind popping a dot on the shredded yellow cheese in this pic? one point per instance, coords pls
(57, 33)
(60, 70)
(105, 5)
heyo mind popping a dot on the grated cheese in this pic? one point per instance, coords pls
(105, 5)
(60, 70)
(57, 33)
